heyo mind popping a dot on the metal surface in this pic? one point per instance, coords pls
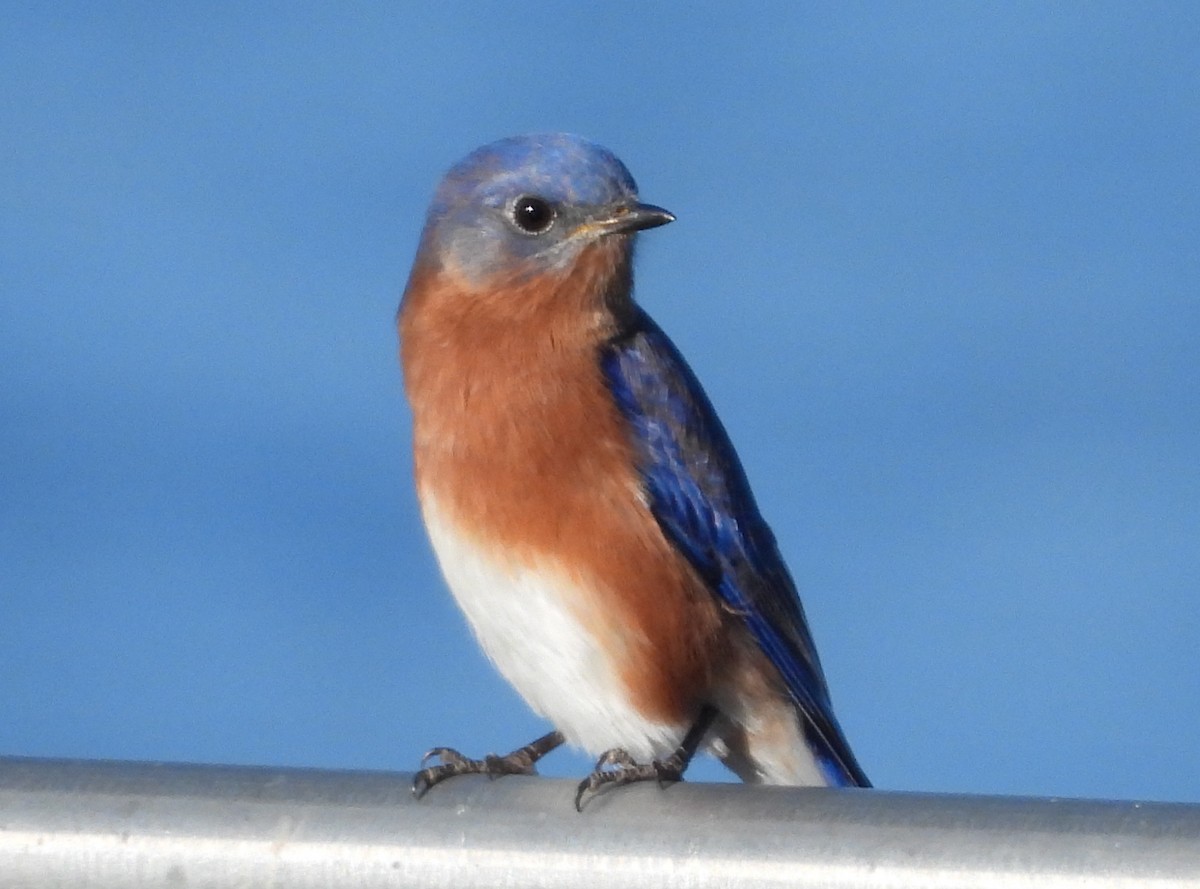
(88, 824)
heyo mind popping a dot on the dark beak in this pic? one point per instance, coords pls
(633, 218)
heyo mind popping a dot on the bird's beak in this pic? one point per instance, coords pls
(629, 218)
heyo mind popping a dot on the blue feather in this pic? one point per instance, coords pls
(701, 499)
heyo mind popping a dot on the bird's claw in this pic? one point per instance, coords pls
(447, 755)
(618, 768)
(453, 763)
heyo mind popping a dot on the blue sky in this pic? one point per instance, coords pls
(937, 265)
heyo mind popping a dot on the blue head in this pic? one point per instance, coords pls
(531, 202)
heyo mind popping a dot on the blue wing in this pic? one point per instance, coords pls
(699, 494)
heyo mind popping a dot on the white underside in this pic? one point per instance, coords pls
(523, 617)
(776, 750)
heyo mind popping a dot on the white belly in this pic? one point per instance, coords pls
(528, 619)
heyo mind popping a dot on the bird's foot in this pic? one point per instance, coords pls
(520, 762)
(618, 768)
(454, 763)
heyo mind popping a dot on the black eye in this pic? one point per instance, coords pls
(532, 215)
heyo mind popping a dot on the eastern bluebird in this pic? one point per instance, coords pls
(584, 501)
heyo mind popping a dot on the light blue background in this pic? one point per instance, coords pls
(938, 266)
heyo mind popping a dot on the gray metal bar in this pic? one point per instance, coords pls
(114, 825)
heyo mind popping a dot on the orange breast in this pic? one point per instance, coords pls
(517, 435)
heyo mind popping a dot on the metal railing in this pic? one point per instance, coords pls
(118, 825)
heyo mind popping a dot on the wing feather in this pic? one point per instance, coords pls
(699, 495)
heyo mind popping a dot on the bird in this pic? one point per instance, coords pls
(584, 502)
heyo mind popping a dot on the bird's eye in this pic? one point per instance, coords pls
(532, 215)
